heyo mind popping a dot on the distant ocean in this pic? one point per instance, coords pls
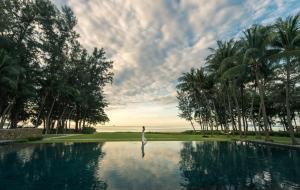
(158, 128)
(139, 128)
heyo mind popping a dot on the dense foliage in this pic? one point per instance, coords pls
(46, 76)
(253, 80)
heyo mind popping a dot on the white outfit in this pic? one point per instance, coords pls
(144, 140)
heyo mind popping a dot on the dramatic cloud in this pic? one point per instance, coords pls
(153, 42)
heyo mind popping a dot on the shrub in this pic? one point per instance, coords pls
(37, 138)
(88, 130)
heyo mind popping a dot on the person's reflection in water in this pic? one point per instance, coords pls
(144, 141)
(143, 149)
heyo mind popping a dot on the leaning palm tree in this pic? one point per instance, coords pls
(225, 63)
(256, 53)
(287, 41)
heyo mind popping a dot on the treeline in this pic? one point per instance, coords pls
(46, 76)
(253, 80)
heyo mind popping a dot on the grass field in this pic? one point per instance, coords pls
(134, 136)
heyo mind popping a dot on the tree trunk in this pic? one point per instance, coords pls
(76, 124)
(48, 123)
(287, 102)
(14, 114)
(40, 111)
(60, 121)
(5, 114)
(192, 125)
(252, 115)
(200, 124)
(247, 128)
(238, 111)
(225, 116)
(230, 111)
(243, 109)
(263, 107)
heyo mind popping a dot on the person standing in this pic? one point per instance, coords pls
(144, 140)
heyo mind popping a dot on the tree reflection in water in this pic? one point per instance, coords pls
(217, 165)
(56, 166)
(167, 165)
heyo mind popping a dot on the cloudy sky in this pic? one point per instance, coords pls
(153, 42)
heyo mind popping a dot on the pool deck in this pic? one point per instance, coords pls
(297, 147)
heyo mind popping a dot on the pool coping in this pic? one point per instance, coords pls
(296, 147)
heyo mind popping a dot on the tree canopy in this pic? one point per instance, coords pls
(46, 75)
(252, 80)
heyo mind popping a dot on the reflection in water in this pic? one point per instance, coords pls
(143, 150)
(124, 168)
(238, 166)
(168, 165)
(51, 167)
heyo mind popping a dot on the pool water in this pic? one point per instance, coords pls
(157, 165)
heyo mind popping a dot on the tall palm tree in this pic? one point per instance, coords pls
(255, 41)
(287, 41)
(225, 62)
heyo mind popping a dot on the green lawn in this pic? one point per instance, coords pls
(134, 136)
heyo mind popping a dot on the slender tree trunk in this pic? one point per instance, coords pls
(65, 126)
(80, 124)
(44, 124)
(230, 111)
(84, 118)
(216, 118)
(77, 119)
(252, 115)
(48, 122)
(285, 124)
(70, 123)
(14, 113)
(5, 114)
(263, 107)
(287, 104)
(247, 127)
(238, 111)
(200, 123)
(60, 123)
(192, 125)
(69, 117)
(222, 128)
(40, 111)
(225, 117)
(243, 109)
(76, 124)
(270, 124)
(282, 123)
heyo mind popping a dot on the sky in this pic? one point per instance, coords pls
(153, 42)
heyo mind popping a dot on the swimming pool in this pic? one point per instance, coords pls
(157, 165)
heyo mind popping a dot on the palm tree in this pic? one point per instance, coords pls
(255, 42)
(226, 64)
(287, 41)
